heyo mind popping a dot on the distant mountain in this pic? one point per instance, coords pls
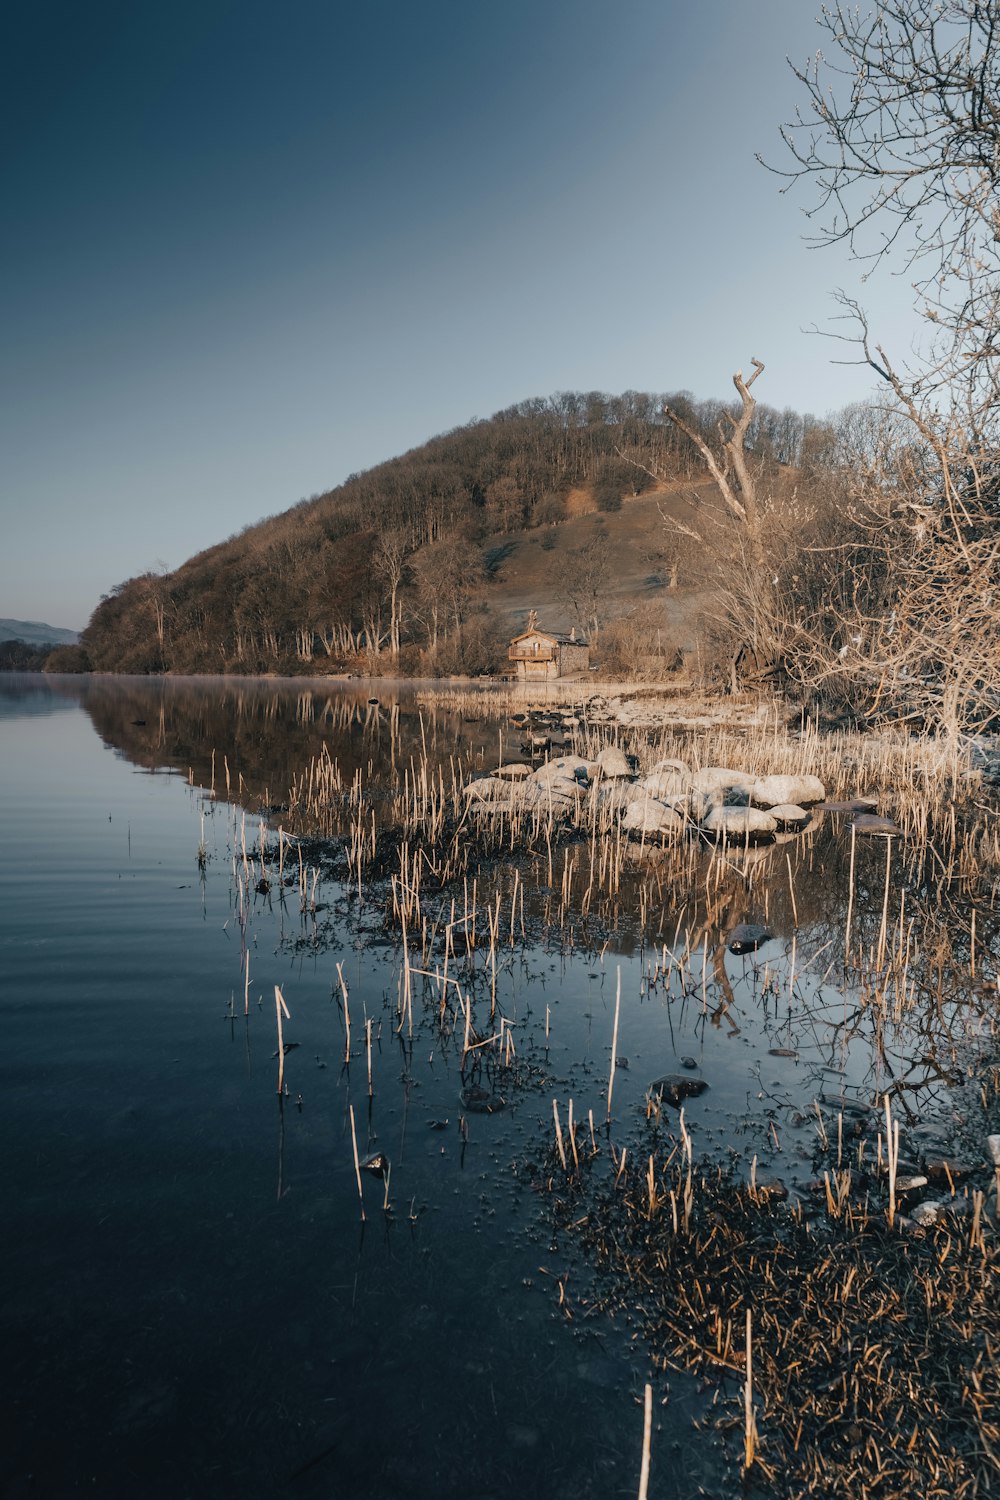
(36, 633)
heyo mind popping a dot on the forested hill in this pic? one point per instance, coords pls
(395, 563)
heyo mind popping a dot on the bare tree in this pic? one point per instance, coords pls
(745, 553)
(583, 580)
(899, 142)
(392, 547)
(736, 482)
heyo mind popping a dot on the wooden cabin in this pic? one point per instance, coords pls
(538, 656)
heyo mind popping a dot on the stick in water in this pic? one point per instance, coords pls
(614, 1040)
(647, 1431)
(279, 1006)
(357, 1164)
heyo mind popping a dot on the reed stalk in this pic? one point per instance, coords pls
(559, 1137)
(357, 1162)
(749, 1420)
(892, 1156)
(614, 1040)
(279, 1007)
(647, 1433)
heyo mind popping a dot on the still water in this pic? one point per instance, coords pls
(191, 1302)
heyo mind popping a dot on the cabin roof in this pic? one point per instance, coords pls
(544, 634)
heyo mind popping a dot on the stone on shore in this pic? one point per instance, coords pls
(489, 789)
(566, 768)
(775, 791)
(646, 817)
(613, 762)
(666, 781)
(739, 824)
(789, 817)
(616, 796)
(720, 779)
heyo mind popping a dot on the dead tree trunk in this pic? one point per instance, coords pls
(751, 597)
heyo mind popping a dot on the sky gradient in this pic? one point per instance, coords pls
(251, 248)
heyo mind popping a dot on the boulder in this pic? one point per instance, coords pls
(648, 818)
(720, 779)
(516, 771)
(487, 789)
(789, 817)
(565, 768)
(739, 824)
(680, 766)
(615, 796)
(666, 781)
(773, 791)
(613, 762)
(560, 794)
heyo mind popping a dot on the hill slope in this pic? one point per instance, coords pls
(36, 633)
(430, 559)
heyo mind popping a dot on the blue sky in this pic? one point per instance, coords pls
(250, 248)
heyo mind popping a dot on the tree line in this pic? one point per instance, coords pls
(388, 566)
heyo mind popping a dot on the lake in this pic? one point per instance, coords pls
(192, 1303)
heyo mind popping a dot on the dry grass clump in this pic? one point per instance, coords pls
(875, 1352)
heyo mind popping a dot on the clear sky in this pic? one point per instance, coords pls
(249, 248)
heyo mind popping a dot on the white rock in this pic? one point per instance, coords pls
(993, 1149)
(648, 818)
(487, 789)
(680, 766)
(788, 816)
(563, 769)
(613, 763)
(666, 782)
(772, 791)
(616, 795)
(514, 772)
(926, 1212)
(559, 795)
(739, 823)
(722, 779)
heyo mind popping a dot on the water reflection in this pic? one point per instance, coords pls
(189, 1243)
(261, 733)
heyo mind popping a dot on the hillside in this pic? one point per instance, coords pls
(36, 633)
(428, 562)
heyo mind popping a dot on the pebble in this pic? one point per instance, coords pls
(675, 1088)
(746, 937)
(993, 1149)
(910, 1184)
(940, 1168)
(927, 1212)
